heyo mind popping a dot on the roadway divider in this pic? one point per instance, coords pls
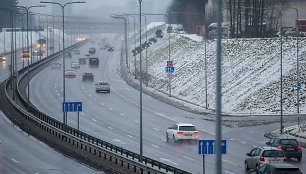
(118, 156)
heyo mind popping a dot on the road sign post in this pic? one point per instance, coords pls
(209, 147)
(73, 107)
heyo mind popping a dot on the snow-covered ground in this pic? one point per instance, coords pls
(250, 71)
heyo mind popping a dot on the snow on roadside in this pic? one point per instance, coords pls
(250, 72)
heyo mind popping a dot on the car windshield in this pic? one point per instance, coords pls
(288, 142)
(288, 171)
(103, 83)
(187, 128)
(273, 153)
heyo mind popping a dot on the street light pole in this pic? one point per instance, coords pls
(140, 81)
(63, 52)
(281, 69)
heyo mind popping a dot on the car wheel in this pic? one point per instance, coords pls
(167, 138)
(174, 140)
(299, 159)
(246, 166)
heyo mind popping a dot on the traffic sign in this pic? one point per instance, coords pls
(208, 147)
(72, 107)
(169, 69)
(299, 86)
(170, 63)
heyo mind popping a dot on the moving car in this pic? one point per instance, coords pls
(25, 54)
(2, 58)
(111, 49)
(70, 73)
(93, 62)
(277, 168)
(290, 146)
(182, 131)
(76, 51)
(75, 65)
(92, 50)
(263, 155)
(103, 86)
(82, 60)
(88, 77)
(56, 65)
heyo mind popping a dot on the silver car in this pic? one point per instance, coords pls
(262, 155)
(70, 73)
(103, 86)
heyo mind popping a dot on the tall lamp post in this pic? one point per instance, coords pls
(63, 52)
(140, 80)
(28, 48)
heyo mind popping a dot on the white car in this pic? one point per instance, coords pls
(182, 131)
(75, 65)
(70, 73)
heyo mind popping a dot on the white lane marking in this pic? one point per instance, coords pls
(188, 158)
(58, 94)
(110, 128)
(229, 172)
(130, 136)
(0, 142)
(154, 145)
(110, 109)
(102, 104)
(89, 95)
(232, 139)
(82, 113)
(95, 99)
(137, 121)
(243, 142)
(160, 114)
(94, 119)
(55, 87)
(118, 141)
(156, 129)
(122, 115)
(230, 162)
(15, 161)
(164, 159)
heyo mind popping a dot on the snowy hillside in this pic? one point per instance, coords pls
(251, 72)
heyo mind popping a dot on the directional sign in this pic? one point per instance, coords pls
(299, 86)
(170, 63)
(208, 147)
(72, 107)
(170, 69)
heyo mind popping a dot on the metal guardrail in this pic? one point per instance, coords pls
(82, 140)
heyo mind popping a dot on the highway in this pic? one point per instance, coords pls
(21, 153)
(114, 116)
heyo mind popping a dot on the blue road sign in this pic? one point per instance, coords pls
(299, 86)
(72, 107)
(169, 69)
(208, 147)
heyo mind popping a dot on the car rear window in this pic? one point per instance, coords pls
(288, 171)
(288, 142)
(103, 83)
(273, 153)
(187, 128)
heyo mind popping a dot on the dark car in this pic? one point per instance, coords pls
(92, 50)
(277, 168)
(88, 77)
(93, 62)
(290, 146)
(82, 60)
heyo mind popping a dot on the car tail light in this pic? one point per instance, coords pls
(299, 147)
(285, 158)
(280, 147)
(108, 86)
(197, 133)
(261, 158)
(180, 133)
(99, 86)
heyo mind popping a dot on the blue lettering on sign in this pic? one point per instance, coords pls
(72, 107)
(208, 147)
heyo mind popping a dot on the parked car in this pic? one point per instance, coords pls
(56, 65)
(70, 73)
(88, 77)
(103, 86)
(290, 146)
(82, 60)
(182, 131)
(75, 65)
(262, 155)
(2, 58)
(277, 168)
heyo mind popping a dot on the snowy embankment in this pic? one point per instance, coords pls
(250, 72)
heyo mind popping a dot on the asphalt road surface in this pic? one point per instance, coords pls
(114, 116)
(23, 154)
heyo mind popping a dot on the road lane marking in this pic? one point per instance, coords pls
(110, 127)
(130, 136)
(156, 129)
(102, 104)
(230, 162)
(188, 158)
(110, 109)
(94, 119)
(232, 139)
(243, 142)
(229, 172)
(137, 121)
(89, 95)
(15, 161)
(95, 99)
(82, 113)
(154, 145)
(164, 159)
(122, 115)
